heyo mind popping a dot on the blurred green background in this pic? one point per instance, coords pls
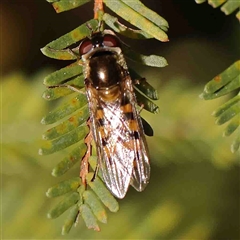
(194, 187)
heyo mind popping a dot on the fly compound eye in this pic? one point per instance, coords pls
(85, 46)
(111, 41)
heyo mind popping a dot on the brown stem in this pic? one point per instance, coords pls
(84, 163)
(98, 6)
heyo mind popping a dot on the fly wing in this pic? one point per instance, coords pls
(115, 152)
(141, 164)
(141, 170)
(120, 141)
(113, 142)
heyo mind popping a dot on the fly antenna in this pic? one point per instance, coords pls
(98, 28)
(100, 25)
(89, 26)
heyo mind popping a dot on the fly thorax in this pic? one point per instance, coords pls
(104, 70)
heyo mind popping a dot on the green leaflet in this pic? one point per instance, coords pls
(147, 89)
(229, 113)
(63, 5)
(222, 79)
(200, 1)
(104, 195)
(151, 60)
(228, 104)
(148, 13)
(230, 6)
(93, 160)
(70, 220)
(60, 76)
(68, 162)
(143, 86)
(66, 54)
(234, 84)
(88, 217)
(56, 92)
(63, 187)
(70, 124)
(146, 103)
(64, 205)
(65, 109)
(147, 128)
(53, 93)
(51, 146)
(238, 15)
(72, 37)
(232, 126)
(236, 144)
(118, 27)
(216, 3)
(52, 1)
(136, 19)
(98, 210)
(224, 83)
(89, 205)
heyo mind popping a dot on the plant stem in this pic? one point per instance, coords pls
(98, 6)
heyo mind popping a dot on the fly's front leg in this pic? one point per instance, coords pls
(73, 88)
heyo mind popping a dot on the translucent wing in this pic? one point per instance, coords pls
(141, 169)
(141, 165)
(120, 141)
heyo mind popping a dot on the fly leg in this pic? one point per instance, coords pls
(95, 173)
(73, 88)
(141, 108)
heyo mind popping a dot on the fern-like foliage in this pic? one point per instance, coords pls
(226, 82)
(69, 118)
(169, 200)
(228, 6)
(222, 84)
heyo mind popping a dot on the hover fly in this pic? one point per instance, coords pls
(114, 119)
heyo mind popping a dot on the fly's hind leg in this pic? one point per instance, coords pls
(95, 173)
